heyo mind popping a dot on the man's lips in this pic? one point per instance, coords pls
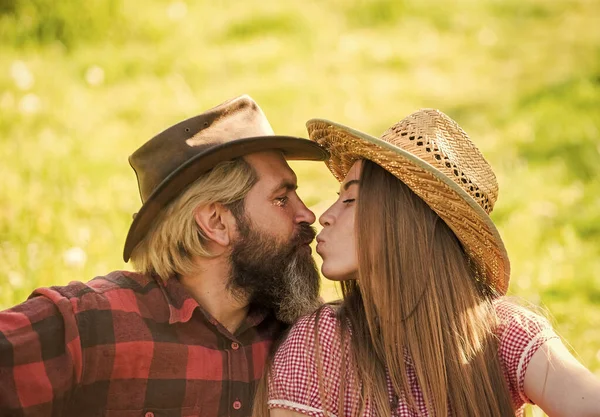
(305, 236)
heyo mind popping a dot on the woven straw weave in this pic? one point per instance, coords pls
(431, 154)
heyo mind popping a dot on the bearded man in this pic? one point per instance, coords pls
(223, 264)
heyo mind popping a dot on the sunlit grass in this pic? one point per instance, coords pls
(78, 95)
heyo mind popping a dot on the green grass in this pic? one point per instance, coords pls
(82, 87)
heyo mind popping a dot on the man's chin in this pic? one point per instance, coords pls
(290, 314)
(305, 249)
(303, 288)
(282, 278)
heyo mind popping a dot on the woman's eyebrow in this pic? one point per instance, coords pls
(348, 184)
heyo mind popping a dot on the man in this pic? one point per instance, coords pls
(221, 249)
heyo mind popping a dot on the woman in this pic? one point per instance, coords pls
(422, 329)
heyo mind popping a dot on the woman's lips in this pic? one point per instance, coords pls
(319, 247)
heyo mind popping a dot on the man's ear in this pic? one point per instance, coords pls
(217, 223)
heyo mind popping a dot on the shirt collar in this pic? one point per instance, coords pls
(182, 306)
(181, 303)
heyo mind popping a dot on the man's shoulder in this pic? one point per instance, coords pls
(122, 280)
(104, 285)
(116, 290)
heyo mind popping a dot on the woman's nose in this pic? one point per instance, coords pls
(326, 218)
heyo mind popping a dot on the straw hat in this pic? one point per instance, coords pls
(433, 156)
(172, 160)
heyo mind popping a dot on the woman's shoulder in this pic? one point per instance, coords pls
(307, 360)
(313, 338)
(521, 332)
(520, 325)
(321, 325)
(512, 312)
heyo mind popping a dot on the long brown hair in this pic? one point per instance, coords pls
(417, 296)
(416, 299)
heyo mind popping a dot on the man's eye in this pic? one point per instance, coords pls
(281, 201)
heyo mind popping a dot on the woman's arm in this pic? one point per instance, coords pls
(559, 384)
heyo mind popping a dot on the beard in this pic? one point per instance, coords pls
(279, 276)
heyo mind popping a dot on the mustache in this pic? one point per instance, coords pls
(306, 234)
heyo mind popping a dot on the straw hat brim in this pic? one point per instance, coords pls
(467, 219)
(293, 148)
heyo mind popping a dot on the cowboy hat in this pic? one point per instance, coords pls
(175, 158)
(433, 156)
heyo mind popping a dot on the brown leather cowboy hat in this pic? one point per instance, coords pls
(175, 158)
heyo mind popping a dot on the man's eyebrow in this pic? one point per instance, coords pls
(286, 185)
(348, 184)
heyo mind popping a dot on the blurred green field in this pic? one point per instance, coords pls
(82, 85)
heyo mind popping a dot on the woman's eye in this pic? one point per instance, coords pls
(348, 201)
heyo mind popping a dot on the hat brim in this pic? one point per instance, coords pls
(471, 224)
(293, 148)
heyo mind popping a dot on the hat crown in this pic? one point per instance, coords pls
(172, 160)
(162, 155)
(438, 140)
(435, 158)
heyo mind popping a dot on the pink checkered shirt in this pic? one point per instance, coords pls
(293, 382)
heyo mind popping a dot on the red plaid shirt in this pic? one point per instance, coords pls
(293, 383)
(127, 345)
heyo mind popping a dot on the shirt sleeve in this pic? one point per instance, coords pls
(521, 333)
(305, 373)
(40, 355)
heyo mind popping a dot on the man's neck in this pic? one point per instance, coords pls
(208, 286)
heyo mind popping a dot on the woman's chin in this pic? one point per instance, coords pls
(335, 275)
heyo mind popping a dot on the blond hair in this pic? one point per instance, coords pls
(174, 239)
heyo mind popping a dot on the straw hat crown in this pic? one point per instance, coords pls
(438, 140)
(437, 160)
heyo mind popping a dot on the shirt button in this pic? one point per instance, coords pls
(235, 346)
(149, 414)
(237, 404)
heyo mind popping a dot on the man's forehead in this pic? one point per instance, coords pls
(271, 165)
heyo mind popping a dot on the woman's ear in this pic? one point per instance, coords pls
(216, 222)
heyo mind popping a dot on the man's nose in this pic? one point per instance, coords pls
(304, 214)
